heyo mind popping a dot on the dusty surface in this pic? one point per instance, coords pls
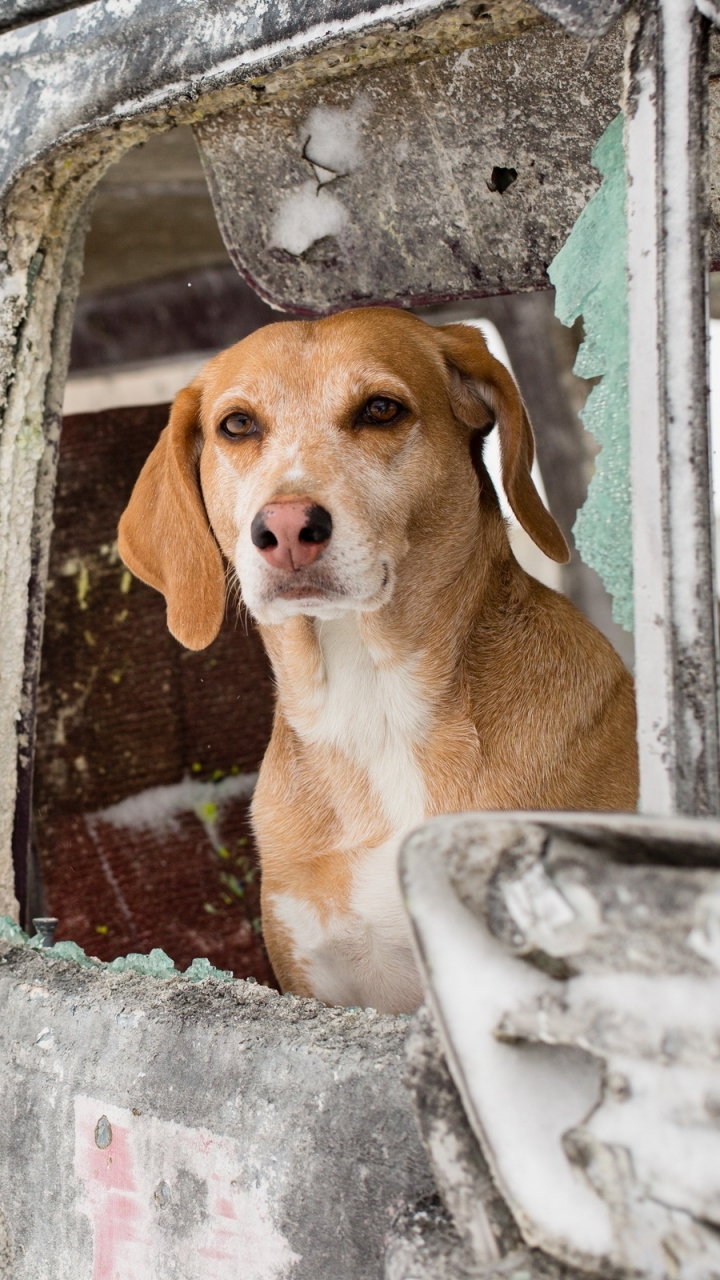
(170, 1129)
(573, 966)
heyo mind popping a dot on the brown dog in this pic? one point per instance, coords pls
(337, 466)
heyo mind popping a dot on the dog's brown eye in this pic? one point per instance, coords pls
(238, 425)
(380, 411)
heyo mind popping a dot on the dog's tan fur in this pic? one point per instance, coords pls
(419, 669)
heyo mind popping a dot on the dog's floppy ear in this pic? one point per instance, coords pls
(165, 537)
(482, 391)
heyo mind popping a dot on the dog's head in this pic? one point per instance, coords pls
(316, 456)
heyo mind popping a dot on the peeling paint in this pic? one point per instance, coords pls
(590, 279)
(160, 1194)
(587, 1057)
(401, 206)
(306, 215)
(208, 1095)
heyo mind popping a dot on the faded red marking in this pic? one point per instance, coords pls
(121, 1223)
(117, 1221)
(225, 1209)
(111, 1166)
(237, 1238)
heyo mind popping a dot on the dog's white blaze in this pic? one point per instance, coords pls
(373, 710)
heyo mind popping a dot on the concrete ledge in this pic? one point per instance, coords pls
(164, 1128)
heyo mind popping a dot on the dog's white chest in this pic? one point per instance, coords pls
(362, 956)
(374, 713)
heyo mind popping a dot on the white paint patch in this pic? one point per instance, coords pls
(528, 1096)
(331, 144)
(306, 215)
(166, 1200)
(558, 921)
(331, 137)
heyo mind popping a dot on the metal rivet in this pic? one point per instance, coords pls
(103, 1133)
(46, 926)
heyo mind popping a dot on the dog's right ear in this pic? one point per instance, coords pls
(481, 389)
(165, 537)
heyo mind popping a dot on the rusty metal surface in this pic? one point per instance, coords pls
(400, 186)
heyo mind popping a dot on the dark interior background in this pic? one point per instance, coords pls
(122, 707)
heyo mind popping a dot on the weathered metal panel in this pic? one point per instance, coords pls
(456, 177)
(586, 18)
(675, 621)
(102, 63)
(571, 962)
(165, 1128)
(15, 13)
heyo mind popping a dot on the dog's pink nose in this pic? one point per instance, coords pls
(291, 533)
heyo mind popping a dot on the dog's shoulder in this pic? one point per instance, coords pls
(551, 694)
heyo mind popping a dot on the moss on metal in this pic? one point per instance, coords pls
(590, 278)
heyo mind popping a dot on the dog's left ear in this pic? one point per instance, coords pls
(165, 537)
(482, 391)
